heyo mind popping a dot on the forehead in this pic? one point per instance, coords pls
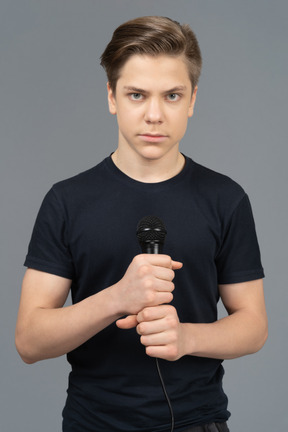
(159, 72)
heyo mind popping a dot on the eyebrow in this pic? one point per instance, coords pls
(180, 88)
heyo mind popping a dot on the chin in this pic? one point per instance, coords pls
(153, 153)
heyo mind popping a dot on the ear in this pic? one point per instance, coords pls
(192, 102)
(111, 100)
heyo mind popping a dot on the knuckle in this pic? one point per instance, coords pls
(171, 311)
(147, 283)
(137, 259)
(173, 352)
(146, 314)
(172, 286)
(144, 270)
(140, 328)
(149, 298)
(169, 297)
(172, 322)
(172, 275)
(168, 261)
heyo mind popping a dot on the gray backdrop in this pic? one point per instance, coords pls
(55, 123)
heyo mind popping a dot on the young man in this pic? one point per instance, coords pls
(130, 308)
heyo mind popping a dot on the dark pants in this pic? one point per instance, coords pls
(211, 427)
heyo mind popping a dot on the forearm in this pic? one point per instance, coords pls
(47, 333)
(236, 335)
(46, 329)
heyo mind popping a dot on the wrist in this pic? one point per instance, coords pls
(114, 301)
(188, 339)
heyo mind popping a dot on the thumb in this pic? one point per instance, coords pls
(176, 265)
(127, 323)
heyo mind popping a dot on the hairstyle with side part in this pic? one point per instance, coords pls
(153, 36)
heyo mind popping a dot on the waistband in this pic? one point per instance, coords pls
(210, 427)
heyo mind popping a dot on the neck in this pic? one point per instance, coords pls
(149, 171)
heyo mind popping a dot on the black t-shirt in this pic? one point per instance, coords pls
(86, 231)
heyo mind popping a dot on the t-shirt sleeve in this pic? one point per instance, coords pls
(49, 248)
(239, 259)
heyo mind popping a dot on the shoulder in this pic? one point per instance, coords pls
(84, 186)
(77, 191)
(214, 195)
(208, 179)
(217, 188)
(81, 181)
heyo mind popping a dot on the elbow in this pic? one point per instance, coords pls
(264, 332)
(27, 359)
(24, 357)
(262, 338)
(23, 349)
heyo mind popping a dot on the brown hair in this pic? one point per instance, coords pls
(151, 35)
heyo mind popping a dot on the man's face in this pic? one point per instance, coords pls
(153, 101)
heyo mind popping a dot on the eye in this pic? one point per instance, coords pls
(135, 96)
(173, 97)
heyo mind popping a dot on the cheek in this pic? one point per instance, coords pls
(127, 117)
(180, 124)
(126, 123)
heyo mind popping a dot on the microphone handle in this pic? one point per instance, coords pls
(151, 247)
(155, 247)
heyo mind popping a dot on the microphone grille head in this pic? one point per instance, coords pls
(151, 229)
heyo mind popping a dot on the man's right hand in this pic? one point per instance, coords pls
(147, 282)
(46, 329)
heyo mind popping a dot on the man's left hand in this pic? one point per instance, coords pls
(161, 332)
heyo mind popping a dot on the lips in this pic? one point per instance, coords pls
(152, 137)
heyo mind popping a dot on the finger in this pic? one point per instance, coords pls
(151, 327)
(154, 313)
(164, 352)
(177, 265)
(163, 273)
(161, 285)
(157, 339)
(162, 261)
(127, 323)
(161, 298)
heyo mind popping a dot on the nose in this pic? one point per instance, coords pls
(154, 112)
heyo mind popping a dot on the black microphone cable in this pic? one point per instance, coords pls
(166, 395)
(151, 234)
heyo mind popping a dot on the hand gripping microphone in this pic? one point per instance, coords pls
(151, 234)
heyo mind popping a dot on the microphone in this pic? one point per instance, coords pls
(151, 234)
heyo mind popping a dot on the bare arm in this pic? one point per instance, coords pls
(242, 332)
(46, 329)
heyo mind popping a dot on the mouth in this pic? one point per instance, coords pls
(148, 137)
